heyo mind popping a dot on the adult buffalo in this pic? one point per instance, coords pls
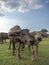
(3, 37)
(13, 36)
(21, 36)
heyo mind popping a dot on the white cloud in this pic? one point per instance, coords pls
(47, 1)
(1, 14)
(38, 6)
(3, 21)
(7, 23)
(20, 5)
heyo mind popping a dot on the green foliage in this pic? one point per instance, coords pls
(44, 30)
(6, 57)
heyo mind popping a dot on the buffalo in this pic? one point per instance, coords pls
(23, 36)
(3, 37)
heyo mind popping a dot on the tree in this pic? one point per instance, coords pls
(44, 30)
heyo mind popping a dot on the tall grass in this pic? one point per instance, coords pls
(6, 57)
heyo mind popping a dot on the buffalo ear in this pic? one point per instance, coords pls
(18, 32)
(25, 30)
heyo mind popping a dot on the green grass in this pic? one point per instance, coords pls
(6, 57)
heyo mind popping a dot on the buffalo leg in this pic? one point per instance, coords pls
(22, 46)
(19, 50)
(10, 45)
(33, 53)
(29, 48)
(13, 48)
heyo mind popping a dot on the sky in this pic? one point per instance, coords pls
(30, 14)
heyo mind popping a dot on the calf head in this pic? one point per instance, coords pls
(38, 36)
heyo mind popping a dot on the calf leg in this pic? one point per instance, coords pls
(37, 51)
(33, 53)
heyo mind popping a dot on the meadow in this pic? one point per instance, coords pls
(6, 57)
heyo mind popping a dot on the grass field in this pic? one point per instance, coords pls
(6, 57)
